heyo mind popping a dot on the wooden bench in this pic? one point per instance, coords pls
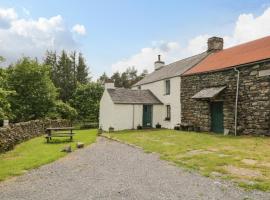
(57, 132)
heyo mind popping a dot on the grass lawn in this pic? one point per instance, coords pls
(36, 152)
(245, 160)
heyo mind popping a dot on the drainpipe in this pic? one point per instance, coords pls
(236, 101)
(133, 117)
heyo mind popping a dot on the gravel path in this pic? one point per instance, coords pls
(110, 170)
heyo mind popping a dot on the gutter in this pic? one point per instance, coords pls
(236, 100)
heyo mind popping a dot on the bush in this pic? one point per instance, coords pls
(158, 125)
(63, 110)
(139, 127)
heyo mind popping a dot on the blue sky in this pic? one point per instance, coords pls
(124, 33)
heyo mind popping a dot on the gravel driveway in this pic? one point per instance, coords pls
(110, 170)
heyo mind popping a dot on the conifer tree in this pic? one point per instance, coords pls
(82, 70)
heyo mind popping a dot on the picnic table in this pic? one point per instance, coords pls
(59, 132)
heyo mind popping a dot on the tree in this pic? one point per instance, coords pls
(125, 79)
(66, 71)
(51, 61)
(82, 70)
(141, 76)
(35, 92)
(86, 101)
(116, 77)
(66, 78)
(5, 110)
(103, 78)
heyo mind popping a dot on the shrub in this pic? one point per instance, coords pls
(62, 110)
(139, 127)
(158, 125)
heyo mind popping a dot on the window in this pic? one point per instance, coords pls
(139, 87)
(167, 87)
(168, 113)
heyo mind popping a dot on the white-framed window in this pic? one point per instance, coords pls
(167, 87)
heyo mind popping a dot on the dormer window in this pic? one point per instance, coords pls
(167, 87)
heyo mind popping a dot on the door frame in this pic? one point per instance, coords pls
(211, 114)
(151, 123)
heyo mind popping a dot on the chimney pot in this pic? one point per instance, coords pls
(159, 64)
(215, 44)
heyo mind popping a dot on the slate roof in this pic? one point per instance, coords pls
(249, 52)
(129, 96)
(208, 93)
(174, 69)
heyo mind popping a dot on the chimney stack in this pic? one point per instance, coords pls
(215, 44)
(159, 64)
(109, 84)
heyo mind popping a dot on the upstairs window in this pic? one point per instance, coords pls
(168, 113)
(167, 87)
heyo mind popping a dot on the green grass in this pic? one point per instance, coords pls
(208, 153)
(36, 152)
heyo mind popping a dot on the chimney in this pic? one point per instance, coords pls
(109, 84)
(159, 64)
(215, 44)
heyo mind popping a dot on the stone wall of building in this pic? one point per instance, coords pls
(253, 104)
(19, 132)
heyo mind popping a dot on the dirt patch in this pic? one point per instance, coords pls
(154, 140)
(223, 155)
(168, 143)
(249, 161)
(213, 149)
(197, 152)
(228, 148)
(265, 164)
(242, 172)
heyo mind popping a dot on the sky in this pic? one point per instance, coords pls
(116, 34)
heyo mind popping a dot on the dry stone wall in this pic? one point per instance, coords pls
(253, 104)
(19, 132)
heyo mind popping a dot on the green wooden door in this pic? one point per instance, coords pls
(147, 115)
(217, 117)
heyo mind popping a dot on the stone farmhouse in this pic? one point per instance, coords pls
(219, 90)
(229, 91)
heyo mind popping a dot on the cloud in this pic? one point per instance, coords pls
(32, 37)
(79, 29)
(6, 16)
(146, 57)
(247, 27)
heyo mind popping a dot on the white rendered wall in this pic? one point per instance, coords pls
(121, 116)
(158, 89)
(106, 110)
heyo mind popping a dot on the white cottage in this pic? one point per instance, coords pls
(165, 84)
(123, 109)
(154, 99)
